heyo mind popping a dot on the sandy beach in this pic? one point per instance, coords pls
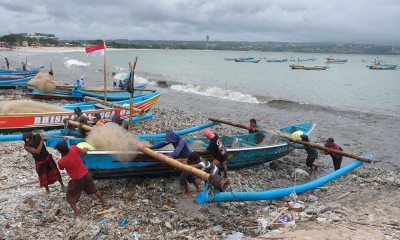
(361, 205)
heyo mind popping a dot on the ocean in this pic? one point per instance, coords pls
(345, 87)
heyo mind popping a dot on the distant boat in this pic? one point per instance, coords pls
(336, 60)
(277, 60)
(240, 58)
(299, 67)
(382, 67)
(248, 60)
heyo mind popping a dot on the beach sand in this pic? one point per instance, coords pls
(153, 206)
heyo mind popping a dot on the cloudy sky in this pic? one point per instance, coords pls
(354, 21)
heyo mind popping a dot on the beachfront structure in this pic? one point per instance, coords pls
(39, 35)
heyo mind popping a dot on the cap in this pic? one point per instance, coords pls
(27, 138)
(77, 110)
(304, 137)
(330, 140)
(97, 115)
(209, 134)
(81, 78)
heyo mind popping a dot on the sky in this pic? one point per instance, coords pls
(344, 21)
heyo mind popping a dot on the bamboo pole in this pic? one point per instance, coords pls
(105, 72)
(290, 138)
(115, 105)
(132, 79)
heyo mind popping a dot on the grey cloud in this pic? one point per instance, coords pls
(367, 21)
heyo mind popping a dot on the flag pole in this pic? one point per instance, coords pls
(105, 72)
(132, 80)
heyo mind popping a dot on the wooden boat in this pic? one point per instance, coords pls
(67, 92)
(382, 67)
(242, 151)
(18, 71)
(22, 122)
(277, 60)
(336, 60)
(241, 58)
(248, 60)
(21, 82)
(299, 67)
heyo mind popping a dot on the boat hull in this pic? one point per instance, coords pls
(241, 150)
(23, 122)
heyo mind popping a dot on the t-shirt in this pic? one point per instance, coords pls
(73, 163)
(217, 149)
(208, 167)
(334, 155)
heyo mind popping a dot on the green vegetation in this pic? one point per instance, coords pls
(13, 40)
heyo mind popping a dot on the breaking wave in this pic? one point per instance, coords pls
(138, 79)
(76, 63)
(215, 92)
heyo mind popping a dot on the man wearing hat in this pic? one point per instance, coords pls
(217, 148)
(97, 120)
(46, 168)
(336, 158)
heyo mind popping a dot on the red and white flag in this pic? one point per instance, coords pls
(95, 51)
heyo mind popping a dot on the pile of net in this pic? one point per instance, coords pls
(44, 82)
(29, 106)
(112, 137)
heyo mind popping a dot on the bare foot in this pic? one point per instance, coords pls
(185, 195)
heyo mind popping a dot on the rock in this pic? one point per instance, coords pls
(217, 228)
(235, 236)
(168, 225)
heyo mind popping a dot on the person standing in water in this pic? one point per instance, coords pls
(7, 63)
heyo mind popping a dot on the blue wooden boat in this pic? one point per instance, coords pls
(248, 60)
(18, 71)
(69, 93)
(242, 151)
(277, 60)
(241, 58)
(21, 82)
(382, 67)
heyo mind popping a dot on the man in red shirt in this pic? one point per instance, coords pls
(81, 180)
(336, 158)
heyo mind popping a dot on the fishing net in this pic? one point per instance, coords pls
(29, 106)
(112, 137)
(44, 82)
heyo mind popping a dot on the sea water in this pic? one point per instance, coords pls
(350, 86)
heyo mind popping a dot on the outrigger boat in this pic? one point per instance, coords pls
(248, 60)
(68, 92)
(243, 150)
(299, 67)
(382, 67)
(23, 122)
(336, 60)
(18, 71)
(14, 83)
(277, 60)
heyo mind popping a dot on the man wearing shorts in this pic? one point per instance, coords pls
(81, 180)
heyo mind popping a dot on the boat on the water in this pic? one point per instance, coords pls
(336, 60)
(240, 58)
(23, 122)
(243, 150)
(68, 92)
(300, 67)
(277, 60)
(382, 67)
(248, 60)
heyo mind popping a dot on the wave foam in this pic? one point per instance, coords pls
(74, 62)
(216, 92)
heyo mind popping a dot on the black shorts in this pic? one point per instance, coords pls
(77, 186)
